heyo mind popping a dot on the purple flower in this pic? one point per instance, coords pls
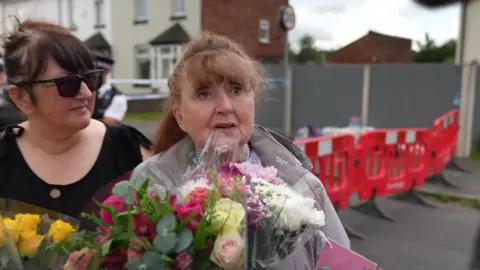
(256, 209)
(230, 169)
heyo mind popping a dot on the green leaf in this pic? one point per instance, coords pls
(130, 227)
(167, 223)
(123, 189)
(132, 211)
(95, 219)
(134, 264)
(165, 242)
(108, 209)
(201, 234)
(158, 211)
(106, 247)
(167, 259)
(185, 221)
(185, 238)
(123, 236)
(152, 260)
(145, 184)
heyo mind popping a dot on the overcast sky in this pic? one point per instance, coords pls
(335, 23)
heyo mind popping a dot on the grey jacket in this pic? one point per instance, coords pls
(273, 150)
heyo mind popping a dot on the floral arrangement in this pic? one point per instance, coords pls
(205, 224)
(23, 237)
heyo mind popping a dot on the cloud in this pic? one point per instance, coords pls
(330, 8)
(335, 23)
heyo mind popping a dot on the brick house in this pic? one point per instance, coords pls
(374, 47)
(146, 36)
(159, 30)
(253, 23)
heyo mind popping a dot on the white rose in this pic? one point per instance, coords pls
(228, 251)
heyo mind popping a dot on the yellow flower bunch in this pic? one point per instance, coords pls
(23, 230)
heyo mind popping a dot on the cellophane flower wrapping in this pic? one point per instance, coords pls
(9, 255)
(36, 234)
(250, 216)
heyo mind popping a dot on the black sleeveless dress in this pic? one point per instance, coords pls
(119, 155)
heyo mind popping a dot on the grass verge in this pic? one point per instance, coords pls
(144, 116)
(460, 199)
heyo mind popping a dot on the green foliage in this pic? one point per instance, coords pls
(150, 261)
(430, 52)
(308, 52)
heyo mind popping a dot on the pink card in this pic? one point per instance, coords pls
(337, 257)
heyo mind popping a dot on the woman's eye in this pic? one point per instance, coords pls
(203, 93)
(236, 89)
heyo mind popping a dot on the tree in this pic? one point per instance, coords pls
(429, 52)
(308, 53)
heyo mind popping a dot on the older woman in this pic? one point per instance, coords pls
(58, 158)
(214, 87)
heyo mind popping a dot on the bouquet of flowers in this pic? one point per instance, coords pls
(32, 237)
(220, 214)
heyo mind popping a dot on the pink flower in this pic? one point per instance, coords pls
(252, 170)
(79, 260)
(116, 259)
(133, 253)
(227, 185)
(105, 234)
(116, 203)
(184, 210)
(143, 226)
(199, 194)
(228, 250)
(183, 261)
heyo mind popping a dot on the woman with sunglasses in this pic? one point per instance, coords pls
(59, 158)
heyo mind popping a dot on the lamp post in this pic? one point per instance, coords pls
(287, 22)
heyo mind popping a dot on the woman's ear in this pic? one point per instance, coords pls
(177, 113)
(21, 98)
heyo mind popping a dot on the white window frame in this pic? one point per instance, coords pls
(179, 7)
(70, 13)
(99, 12)
(139, 11)
(264, 31)
(173, 55)
(147, 55)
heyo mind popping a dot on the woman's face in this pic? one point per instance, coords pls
(68, 113)
(223, 106)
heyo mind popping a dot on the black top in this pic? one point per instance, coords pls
(119, 155)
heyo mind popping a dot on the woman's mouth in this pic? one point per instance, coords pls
(78, 108)
(225, 126)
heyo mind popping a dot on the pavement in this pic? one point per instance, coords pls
(421, 238)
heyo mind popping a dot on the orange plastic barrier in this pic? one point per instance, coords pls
(384, 161)
(333, 160)
(444, 136)
(391, 161)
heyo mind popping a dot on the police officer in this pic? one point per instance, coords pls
(111, 104)
(9, 113)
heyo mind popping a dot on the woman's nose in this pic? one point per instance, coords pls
(84, 92)
(224, 104)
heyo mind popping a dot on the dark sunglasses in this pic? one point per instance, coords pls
(69, 86)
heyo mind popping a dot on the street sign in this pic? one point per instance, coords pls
(287, 17)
